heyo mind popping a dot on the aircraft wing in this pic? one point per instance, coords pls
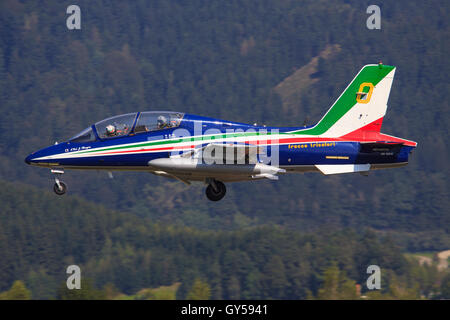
(227, 162)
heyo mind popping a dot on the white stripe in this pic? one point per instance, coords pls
(273, 138)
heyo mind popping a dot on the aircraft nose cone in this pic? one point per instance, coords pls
(28, 159)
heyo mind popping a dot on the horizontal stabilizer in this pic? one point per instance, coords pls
(342, 168)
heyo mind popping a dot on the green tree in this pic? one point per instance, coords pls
(18, 291)
(275, 278)
(87, 292)
(445, 287)
(200, 291)
(336, 285)
(330, 286)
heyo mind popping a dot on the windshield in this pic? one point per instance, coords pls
(154, 120)
(87, 135)
(116, 126)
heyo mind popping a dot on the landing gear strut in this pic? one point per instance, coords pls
(215, 190)
(59, 187)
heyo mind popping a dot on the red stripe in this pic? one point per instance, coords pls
(154, 149)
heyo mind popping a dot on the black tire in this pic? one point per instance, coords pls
(60, 191)
(213, 195)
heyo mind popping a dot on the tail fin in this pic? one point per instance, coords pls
(363, 104)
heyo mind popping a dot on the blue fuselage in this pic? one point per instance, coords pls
(135, 150)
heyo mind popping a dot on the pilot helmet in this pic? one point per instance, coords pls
(110, 129)
(162, 121)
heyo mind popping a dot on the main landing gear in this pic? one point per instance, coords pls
(215, 190)
(59, 187)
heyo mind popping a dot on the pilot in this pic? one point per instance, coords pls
(162, 122)
(111, 130)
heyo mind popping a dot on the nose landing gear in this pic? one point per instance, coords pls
(215, 190)
(59, 187)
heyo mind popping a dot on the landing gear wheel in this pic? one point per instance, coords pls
(217, 193)
(61, 189)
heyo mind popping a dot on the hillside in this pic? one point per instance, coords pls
(295, 86)
(118, 252)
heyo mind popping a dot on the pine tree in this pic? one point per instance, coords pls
(18, 291)
(200, 291)
(445, 288)
(336, 285)
(87, 292)
(330, 286)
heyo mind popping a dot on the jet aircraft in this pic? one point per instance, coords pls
(188, 147)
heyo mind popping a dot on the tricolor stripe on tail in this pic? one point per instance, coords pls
(363, 104)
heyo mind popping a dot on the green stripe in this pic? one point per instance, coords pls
(373, 74)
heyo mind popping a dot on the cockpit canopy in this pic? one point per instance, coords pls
(153, 120)
(115, 126)
(126, 124)
(87, 135)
